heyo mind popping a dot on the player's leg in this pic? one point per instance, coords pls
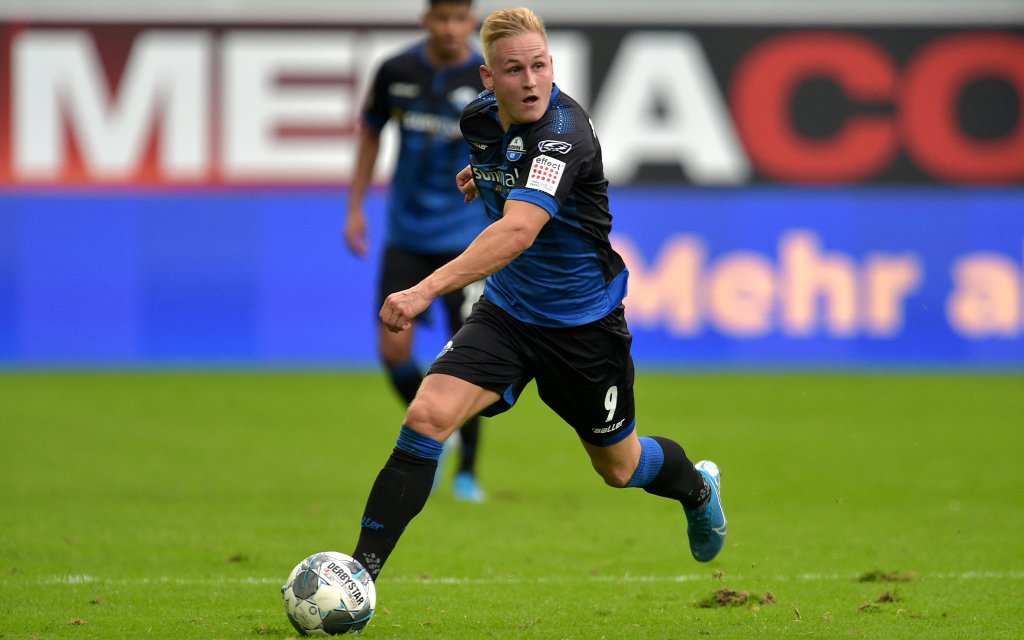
(400, 269)
(466, 487)
(480, 369)
(395, 351)
(660, 467)
(402, 487)
(404, 374)
(595, 396)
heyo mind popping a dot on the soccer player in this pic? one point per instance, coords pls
(551, 310)
(423, 89)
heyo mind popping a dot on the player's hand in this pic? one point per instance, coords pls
(355, 232)
(464, 180)
(401, 307)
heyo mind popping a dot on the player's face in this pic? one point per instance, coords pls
(521, 76)
(449, 26)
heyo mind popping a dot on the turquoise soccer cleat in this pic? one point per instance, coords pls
(706, 525)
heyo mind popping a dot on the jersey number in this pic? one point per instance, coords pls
(611, 400)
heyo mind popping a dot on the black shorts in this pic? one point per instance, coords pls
(401, 269)
(585, 374)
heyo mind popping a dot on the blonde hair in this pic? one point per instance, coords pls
(506, 23)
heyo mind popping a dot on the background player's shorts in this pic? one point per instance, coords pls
(585, 374)
(401, 269)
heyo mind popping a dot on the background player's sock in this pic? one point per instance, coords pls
(664, 470)
(470, 436)
(406, 379)
(399, 493)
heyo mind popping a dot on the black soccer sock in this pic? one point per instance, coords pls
(398, 495)
(470, 435)
(678, 479)
(406, 379)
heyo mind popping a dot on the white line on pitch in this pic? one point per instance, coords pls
(75, 579)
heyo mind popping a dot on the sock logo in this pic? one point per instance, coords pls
(370, 523)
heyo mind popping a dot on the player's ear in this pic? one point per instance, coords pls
(486, 78)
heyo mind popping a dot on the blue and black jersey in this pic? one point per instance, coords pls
(570, 276)
(426, 211)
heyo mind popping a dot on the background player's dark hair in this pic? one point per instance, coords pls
(433, 3)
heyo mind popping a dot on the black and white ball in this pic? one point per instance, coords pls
(329, 593)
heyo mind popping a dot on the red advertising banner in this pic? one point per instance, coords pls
(134, 104)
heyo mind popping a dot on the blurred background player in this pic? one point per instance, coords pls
(423, 89)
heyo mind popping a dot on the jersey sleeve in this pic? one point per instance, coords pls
(377, 107)
(552, 163)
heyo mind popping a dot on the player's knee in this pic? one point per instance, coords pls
(394, 349)
(429, 416)
(615, 475)
(394, 355)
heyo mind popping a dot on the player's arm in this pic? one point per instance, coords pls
(355, 219)
(496, 246)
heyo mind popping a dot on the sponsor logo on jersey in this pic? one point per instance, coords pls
(554, 146)
(503, 181)
(515, 149)
(478, 145)
(404, 89)
(545, 174)
(431, 124)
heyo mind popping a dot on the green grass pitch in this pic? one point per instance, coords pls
(173, 505)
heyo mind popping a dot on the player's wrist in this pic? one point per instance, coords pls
(433, 286)
(427, 290)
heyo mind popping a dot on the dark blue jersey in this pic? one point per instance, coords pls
(571, 275)
(426, 211)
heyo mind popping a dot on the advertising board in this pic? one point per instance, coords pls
(810, 194)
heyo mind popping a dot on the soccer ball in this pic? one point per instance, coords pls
(329, 593)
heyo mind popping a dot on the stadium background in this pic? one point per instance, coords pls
(795, 184)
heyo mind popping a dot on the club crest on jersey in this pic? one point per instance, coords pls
(515, 149)
(554, 146)
(545, 174)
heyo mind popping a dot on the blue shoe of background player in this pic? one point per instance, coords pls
(706, 524)
(466, 488)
